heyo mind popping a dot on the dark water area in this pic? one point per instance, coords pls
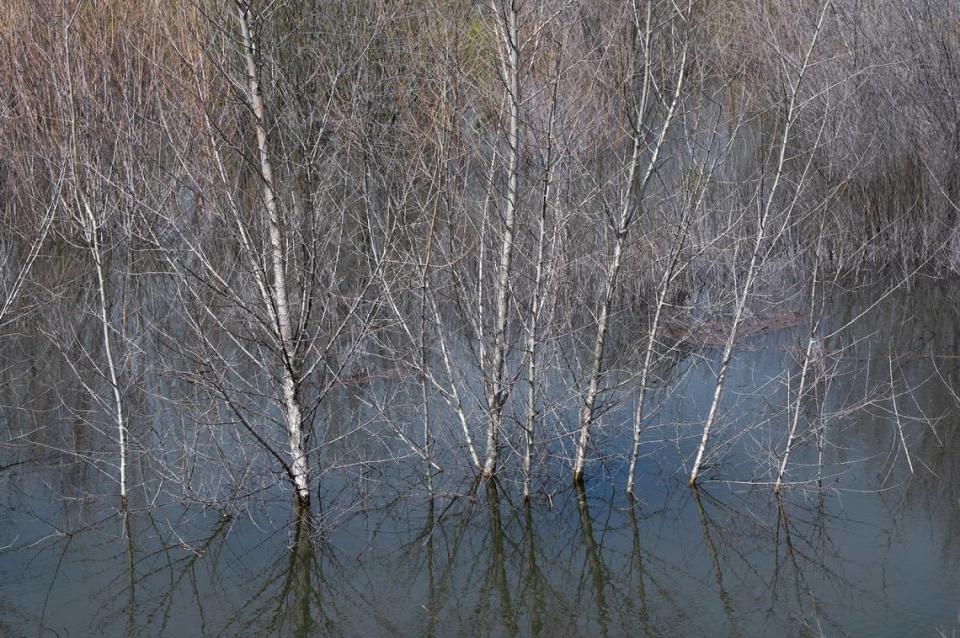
(857, 544)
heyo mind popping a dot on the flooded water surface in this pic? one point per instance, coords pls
(862, 540)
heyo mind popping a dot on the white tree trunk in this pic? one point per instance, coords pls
(809, 355)
(94, 233)
(754, 255)
(280, 303)
(596, 374)
(644, 376)
(539, 292)
(628, 207)
(496, 386)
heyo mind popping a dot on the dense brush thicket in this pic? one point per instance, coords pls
(268, 201)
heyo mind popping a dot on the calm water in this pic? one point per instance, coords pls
(857, 546)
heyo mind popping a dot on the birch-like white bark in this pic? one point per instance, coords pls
(539, 294)
(628, 208)
(674, 268)
(91, 228)
(497, 386)
(754, 255)
(292, 412)
(810, 353)
(648, 362)
(791, 434)
(93, 234)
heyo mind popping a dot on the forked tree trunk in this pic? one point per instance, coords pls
(753, 268)
(91, 229)
(497, 389)
(628, 213)
(539, 293)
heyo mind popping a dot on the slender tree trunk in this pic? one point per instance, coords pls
(497, 387)
(292, 412)
(452, 396)
(673, 269)
(532, 341)
(91, 229)
(645, 371)
(424, 359)
(727, 353)
(808, 355)
(628, 212)
(754, 256)
(536, 304)
(586, 412)
(105, 326)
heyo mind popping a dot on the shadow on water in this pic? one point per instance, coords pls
(597, 571)
(290, 598)
(854, 545)
(708, 543)
(716, 562)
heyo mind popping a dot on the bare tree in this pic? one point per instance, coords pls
(637, 179)
(765, 208)
(507, 28)
(274, 294)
